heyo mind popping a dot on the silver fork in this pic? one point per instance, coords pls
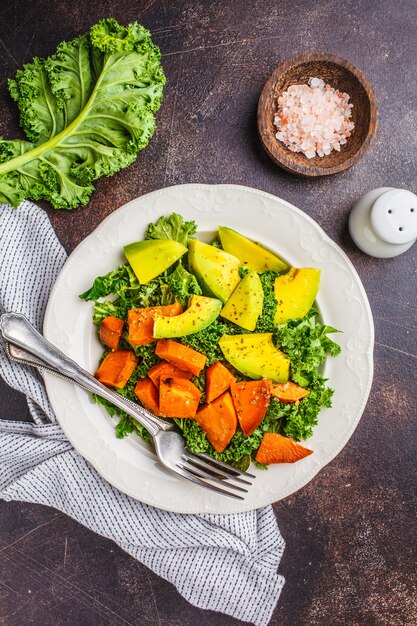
(25, 345)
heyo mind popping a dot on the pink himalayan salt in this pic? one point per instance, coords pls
(314, 118)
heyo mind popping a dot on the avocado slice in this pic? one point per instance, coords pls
(252, 255)
(245, 304)
(295, 293)
(150, 258)
(216, 270)
(201, 313)
(256, 356)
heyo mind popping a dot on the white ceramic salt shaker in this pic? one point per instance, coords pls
(383, 223)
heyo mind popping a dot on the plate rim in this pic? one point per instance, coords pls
(245, 506)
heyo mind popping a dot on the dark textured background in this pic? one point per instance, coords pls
(350, 532)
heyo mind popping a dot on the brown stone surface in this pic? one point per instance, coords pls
(350, 532)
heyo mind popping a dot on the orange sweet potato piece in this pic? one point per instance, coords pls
(218, 420)
(218, 380)
(111, 329)
(251, 400)
(116, 368)
(166, 370)
(147, 394)
(178, 397)
(181, 356)
(140, 322)
(275, 448)
(288, 392)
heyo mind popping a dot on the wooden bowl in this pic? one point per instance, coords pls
(341, 75)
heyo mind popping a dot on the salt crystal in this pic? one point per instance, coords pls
(316, 82)
(313, 118)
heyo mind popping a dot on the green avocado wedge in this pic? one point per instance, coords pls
(256, 356)
(151, 257)
(295, 293)
(216, 270)
(251, 255)
(201, 313)
(245, 304)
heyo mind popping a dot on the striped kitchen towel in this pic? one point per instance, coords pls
(225, 563)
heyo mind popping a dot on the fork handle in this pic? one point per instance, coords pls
(16, 329)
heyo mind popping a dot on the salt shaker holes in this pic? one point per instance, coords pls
(383, 222)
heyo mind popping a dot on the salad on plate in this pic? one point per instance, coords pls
(221, 337)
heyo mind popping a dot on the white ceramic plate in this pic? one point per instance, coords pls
(128, 464)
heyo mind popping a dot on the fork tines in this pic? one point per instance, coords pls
(201, 468)
(223, 465)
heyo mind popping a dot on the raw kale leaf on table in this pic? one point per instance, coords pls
(86, 111)
(305, 341)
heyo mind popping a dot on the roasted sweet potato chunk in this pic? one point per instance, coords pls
(181, 356)
(218, 420)
(148, 395)
(111, 329)
(178, 397)
(116, 368)
(288, 392)
(275, 448)
(251, 400)
(218, 380)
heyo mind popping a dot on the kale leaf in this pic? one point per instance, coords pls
(172, 227)
(306, 343)
(265, 323)
(182, 284)
(86, 112)
(117, 281)
(147, 359)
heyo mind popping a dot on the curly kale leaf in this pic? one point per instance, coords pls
(86, 112)
(172, 227)
(147, 359)
(298, 420)
(306, 343)
(103, 310)
(124, 427)
(216, 243)
(265, 323)
(117, 281)
(182, 284)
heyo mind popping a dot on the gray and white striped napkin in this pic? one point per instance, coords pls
(226, 563)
